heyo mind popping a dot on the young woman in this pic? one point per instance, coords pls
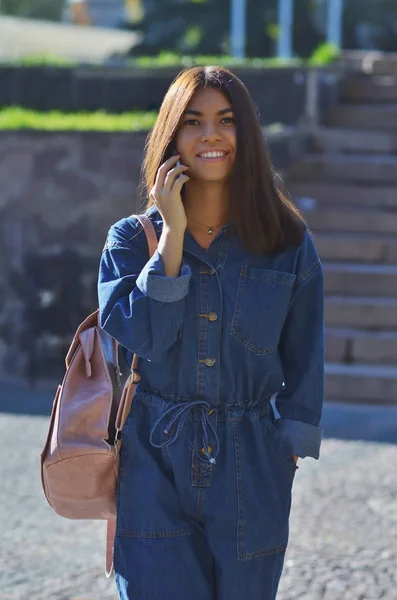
(226, 314)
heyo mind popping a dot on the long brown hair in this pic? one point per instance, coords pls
(265, 220)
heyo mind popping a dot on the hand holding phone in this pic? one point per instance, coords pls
(166, 192)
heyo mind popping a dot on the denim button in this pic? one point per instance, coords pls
(203, 450)
(212, 316)
(209, 361)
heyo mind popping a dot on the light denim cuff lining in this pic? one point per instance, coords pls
(305, 439)
(156, 285)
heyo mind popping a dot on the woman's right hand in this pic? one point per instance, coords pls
(166, 193)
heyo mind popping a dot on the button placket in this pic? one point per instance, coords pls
(201, 469)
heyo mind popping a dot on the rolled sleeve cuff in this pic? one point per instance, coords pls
(153, 282)
(305, 439)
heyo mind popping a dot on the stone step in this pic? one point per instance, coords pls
(368, 88)
(352, 141)
(377, 169)
(360, 279)
(361, 383)
(358, 346)
(344, 219)
(342, 193)
(361, 312)
(363, 116)
(358, 247)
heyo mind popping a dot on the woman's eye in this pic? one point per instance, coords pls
(193, 121)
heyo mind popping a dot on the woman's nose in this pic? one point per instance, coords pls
(211, 133)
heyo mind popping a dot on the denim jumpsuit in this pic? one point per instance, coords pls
(206, 468)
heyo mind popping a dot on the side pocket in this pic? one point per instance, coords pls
(264, 492)
(279, 441)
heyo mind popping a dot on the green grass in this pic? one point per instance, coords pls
(40, 60)
(322, 55)
(172, 59)
(162, 60)
(16, 118)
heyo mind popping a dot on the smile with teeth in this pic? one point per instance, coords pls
(212, 156)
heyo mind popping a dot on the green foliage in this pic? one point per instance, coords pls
(272, 30)
(41, 60)
(174, 59)
(192, 36)
(17, 118)
(324, 54)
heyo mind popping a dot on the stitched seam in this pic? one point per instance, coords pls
(306, 274)
(252, 347)
(276, 550)
(240, 513)
(153, 534)
(281, 278)
(269, 280)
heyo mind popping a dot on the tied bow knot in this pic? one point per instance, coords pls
(179, 413)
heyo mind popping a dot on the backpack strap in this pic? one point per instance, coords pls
(110, 535)
(150, 233)
(126, 399)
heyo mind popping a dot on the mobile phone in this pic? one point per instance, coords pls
(175, 151)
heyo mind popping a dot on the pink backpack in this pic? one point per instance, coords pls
(80, 459)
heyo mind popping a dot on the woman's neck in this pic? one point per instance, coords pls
(207, 204)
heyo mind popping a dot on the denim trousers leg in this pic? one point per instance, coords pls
(165, 569)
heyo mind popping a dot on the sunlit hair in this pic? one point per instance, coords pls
(265, 220)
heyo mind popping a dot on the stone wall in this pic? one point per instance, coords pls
(59, 195)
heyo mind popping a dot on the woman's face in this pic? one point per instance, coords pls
(208, 125)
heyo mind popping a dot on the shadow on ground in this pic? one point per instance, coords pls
(341, 421)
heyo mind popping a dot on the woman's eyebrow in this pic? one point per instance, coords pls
(197, 113)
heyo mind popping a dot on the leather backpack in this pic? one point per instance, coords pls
(80, 459)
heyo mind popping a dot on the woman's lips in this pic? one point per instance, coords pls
(216, 159)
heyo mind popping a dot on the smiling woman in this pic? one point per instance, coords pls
(225, 314)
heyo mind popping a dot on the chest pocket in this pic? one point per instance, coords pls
(262, 302)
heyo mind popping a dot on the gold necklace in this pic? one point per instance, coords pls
(210, 230)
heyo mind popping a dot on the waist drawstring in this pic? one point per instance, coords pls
(181, 412)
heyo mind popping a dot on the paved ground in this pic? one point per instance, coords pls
(343, 525)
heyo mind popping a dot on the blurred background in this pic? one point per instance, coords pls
(80, 86)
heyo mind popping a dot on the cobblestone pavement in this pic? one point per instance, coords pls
(343, 543)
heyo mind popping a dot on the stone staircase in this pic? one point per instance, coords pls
(346, 185)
